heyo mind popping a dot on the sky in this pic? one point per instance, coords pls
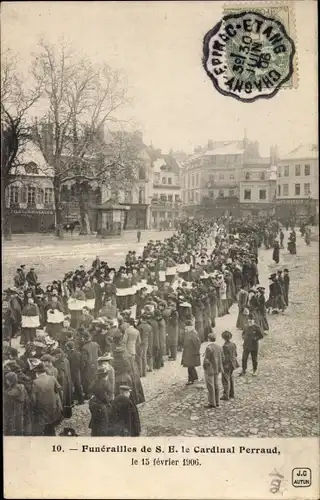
(159, 46)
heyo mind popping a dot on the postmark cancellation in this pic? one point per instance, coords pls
(250, 53)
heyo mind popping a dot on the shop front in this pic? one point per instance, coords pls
(297, 209)
(257, 209)
(31, 220)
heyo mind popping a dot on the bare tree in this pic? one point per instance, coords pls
(83, 99)
(16, 100)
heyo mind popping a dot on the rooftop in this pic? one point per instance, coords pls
(32, 163)
(309, 151)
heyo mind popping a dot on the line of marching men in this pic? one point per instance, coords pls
(97, 332)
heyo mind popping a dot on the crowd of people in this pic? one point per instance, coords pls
(93, 335)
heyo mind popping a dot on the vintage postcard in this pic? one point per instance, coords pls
(160, 250)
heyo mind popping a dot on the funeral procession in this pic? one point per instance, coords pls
(159, 269)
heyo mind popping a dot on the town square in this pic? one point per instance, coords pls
(160, 235)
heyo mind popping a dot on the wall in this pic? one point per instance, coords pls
(292, 179)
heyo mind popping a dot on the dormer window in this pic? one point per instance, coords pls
(31, 168)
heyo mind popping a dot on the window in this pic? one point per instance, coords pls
(211, 178)
(247, 176)
(197, 197)
(262, 194)
(285, 189)
(306, 189)
(297, 170)
(48, 196)
(141, 195)
(297, 189)
(279, 190)
(176, 197)
(247, 194)
(31, 195)
(262, 176)
(128, 196)
(169, 180)
(189, 195)
(197, 180)
(231, 192)
(156, 178)
(142, 173)
(193, 181)
(40, 196)
(170, 198)
(221, 193)
(221, 177)
(189, 180)
(211, 194)
(14, 195)
(231, 177)
(307, 170)
(164, 180)
(163, 197)
(279, 171)
(31, 168)
(286, 171)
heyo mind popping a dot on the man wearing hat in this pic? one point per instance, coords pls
(251, 335)
(74, 362)
(32, 277)
(124, 414)
(20, 277)
(213, 366)
(230, 363)
(46, 401)
(89, 354)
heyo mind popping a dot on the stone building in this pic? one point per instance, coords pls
(30, 196)
(298, 183)
(212, 176)
(166, 199)
(258, 187)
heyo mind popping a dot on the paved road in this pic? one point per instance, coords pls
(281, 401)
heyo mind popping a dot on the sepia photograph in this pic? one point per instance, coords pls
(160, 222)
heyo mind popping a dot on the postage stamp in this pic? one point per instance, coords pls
(248, 55)
(281, 11)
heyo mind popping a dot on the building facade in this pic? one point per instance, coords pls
(166, 201)
(298, 183)
(30, 196)
(258, 188)
(212, 177)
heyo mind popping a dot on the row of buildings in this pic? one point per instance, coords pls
(222, 176)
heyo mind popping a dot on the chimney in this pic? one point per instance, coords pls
(100, 134)
(210, 145)
(274, 155)
(47, 138)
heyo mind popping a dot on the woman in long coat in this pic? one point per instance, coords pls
(242, 305)
(99, 406)
(61, 363)
(198, 314)
(191, 352)
(276, 252)
(17, 419)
